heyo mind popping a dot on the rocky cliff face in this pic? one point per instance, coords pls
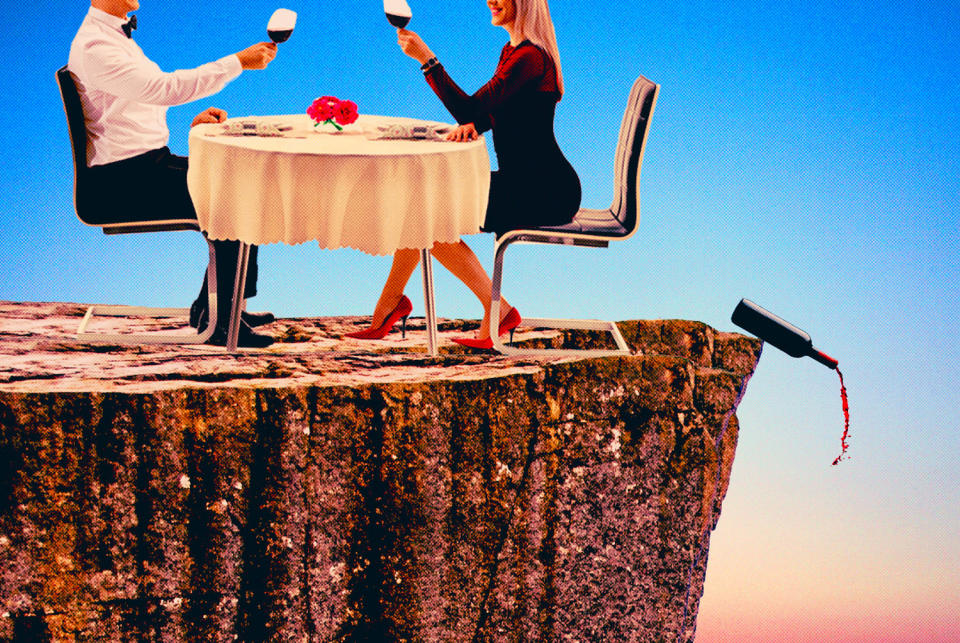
(326, 491)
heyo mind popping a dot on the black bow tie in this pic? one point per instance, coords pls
(129, 26)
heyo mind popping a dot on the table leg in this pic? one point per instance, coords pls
(427, 269)
(237, 302)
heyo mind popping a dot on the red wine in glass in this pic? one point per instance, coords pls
(279, 36)
(398, 21)
(281, 25)
(398, 12)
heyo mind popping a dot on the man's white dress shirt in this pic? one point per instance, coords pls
(125, 95)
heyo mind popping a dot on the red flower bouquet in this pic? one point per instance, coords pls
(331, 110)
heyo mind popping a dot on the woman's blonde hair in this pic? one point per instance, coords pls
(533, 23)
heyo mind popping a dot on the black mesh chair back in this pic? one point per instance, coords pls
(78, 137)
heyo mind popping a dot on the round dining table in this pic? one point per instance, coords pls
(380, 184)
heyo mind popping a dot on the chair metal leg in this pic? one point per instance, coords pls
(572, 324)
(155, 337)
(429, 302)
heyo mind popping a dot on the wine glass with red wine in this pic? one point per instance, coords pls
(398, 12)
(281, 25)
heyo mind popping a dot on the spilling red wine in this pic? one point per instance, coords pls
(844, 445)
(398, 21)
(279, 35)
(794, 342)
(773, 330)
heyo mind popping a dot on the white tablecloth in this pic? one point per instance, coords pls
(340, 189)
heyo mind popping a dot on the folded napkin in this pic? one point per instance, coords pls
(254, 128)
(413, 131)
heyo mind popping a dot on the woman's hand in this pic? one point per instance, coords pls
(210, 115)
(413, 45)
(463, 133)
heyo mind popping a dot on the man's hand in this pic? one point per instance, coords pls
(463, 133)
(210, 115)
(258, 56)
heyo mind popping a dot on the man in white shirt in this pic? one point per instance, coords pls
(132, 174)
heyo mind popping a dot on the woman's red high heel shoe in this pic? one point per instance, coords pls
(401, 311)
(507, 325)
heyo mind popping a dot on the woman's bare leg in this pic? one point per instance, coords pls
(456, 257)
(404, 262)
(459, 259)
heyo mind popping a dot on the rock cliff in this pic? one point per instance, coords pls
(333, 490)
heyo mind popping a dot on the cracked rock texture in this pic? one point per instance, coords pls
(327, 489)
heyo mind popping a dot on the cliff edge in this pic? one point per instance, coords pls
(336, 490)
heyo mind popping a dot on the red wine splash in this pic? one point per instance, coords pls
(846, 420)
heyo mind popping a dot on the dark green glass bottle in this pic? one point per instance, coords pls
(778, 332)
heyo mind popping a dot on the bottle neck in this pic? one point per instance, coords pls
(823, 358)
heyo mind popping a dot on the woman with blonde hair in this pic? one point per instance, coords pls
(535, 184)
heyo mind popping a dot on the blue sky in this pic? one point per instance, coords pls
(803, 156)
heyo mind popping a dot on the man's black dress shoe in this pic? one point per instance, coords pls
(198, 317)
(257, 319)
(245, 339)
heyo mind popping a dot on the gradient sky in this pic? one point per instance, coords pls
(803, 156)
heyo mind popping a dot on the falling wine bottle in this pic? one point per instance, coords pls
(782, 334)
(398, 12)
(281, 25)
